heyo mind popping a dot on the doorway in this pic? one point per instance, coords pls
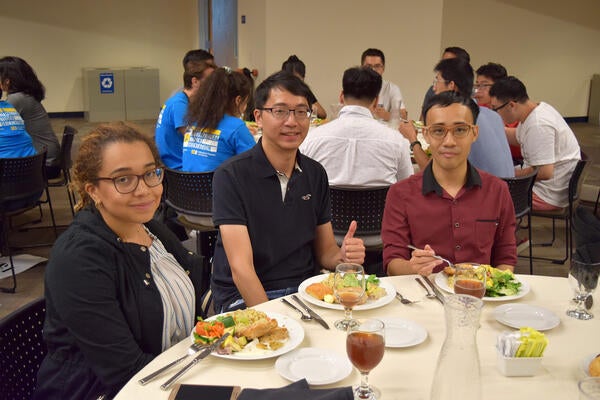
(218, 30)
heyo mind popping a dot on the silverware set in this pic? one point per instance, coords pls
(307, 313)
(199, 351)
(434, 293)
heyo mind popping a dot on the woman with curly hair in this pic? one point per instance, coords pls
(119, 286)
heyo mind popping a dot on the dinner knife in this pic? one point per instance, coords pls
(438, 295)
(310, 311)
(196, 360)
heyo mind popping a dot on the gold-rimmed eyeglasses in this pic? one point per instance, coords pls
(440, 131)
(128, 183)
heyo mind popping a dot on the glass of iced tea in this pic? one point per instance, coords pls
(349, 283)
(365, 345)
(470, 279)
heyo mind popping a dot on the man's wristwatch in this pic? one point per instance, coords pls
(413, 144)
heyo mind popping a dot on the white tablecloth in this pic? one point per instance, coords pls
(406, 373)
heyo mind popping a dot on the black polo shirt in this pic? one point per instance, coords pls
(246, 191)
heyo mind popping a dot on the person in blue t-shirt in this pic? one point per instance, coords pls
(215, 131)
(170, 126)
(15, 142)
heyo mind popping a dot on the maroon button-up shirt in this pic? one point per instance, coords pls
(478, 225)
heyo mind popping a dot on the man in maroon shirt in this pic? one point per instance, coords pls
(450, 208)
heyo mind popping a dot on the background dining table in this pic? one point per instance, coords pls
(406, 373)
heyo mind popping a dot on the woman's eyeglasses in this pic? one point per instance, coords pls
(128, 183)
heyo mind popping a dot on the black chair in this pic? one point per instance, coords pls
(365, 206)
(520, 192)
(190, 195)
(61, 175)
(22, 350)
(565, 213)
(22, 183)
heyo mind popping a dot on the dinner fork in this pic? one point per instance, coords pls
(303, 316)
(410, 246)
(403, 299)
(193, 349)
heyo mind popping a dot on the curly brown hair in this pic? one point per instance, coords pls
(89, 159)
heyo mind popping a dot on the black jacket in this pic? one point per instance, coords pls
(104, 313)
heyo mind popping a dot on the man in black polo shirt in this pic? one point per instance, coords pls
(272, 207)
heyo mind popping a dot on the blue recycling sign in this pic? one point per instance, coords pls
(107, 82)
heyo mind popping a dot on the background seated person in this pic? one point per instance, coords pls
(171, 122)
(390, 95)
(486, 76)
(295, 66)
(25, 92)
(215, 131)
(547, 142)
(15, 142)
(118, 285)
(355, 149)
(272, 207)
(451, 208)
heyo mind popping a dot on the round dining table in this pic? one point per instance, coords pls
(407, 372)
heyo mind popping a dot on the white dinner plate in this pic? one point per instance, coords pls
(318, 366)
(390, 293)
(585, 363)
(441, 280)
(403, 333)
(520, 315)
(296, 333)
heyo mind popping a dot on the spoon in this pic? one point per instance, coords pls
(410, 246)
(429, 295)
(303, 316)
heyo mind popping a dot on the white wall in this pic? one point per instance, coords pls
(60, 37)
(552, 46)
(330, 36)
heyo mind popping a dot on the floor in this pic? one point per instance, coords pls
(30, 283)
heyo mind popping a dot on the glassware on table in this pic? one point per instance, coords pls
(589, 389)
(470, 279)
(349, 284)
(365, 345)
(583, 277)
(457, 375)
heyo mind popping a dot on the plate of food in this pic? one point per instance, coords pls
(318, 366)
(590, 365)
(403, 333)
(255, 335)
(318, 290)
(521, 315)
(500, 285)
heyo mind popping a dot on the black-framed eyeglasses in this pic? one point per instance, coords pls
(128, 183)
(283, 113)
(500, 107)
(440, 131)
